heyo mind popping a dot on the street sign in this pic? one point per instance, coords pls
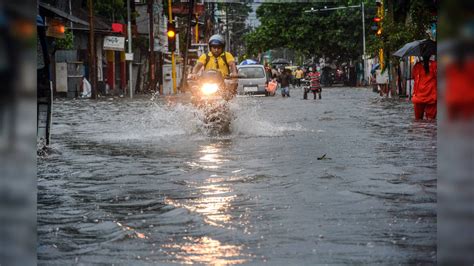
(114, 43)
(128, 56)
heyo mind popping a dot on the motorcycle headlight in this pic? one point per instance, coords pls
(209, 88)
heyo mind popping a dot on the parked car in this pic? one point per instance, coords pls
(252, 80)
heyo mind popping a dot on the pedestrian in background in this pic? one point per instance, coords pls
(268, 72)
(275, 72)
(299, 74)
(85, 88)
(424, 90)
(315, 83)
(284, 80)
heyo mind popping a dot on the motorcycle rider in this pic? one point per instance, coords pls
(217, 59)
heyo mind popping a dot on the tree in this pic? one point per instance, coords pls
(404, 21)
(335, 33)
(236, 16)
(115, 10)
(67, 43)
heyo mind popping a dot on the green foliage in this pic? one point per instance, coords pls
(338, 33)
(113, 9)
(334, 34)
(67, 43)
(397, 32)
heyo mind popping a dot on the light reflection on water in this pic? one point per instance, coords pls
(216, 197)
(207, 251)
(214, 206)
(134, 232)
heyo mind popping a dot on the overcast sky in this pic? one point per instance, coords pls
(252, 19)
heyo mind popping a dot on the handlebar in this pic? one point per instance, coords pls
(196, 76)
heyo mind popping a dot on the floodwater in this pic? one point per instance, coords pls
(140, 182)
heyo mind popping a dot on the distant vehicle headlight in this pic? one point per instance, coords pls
(209, 88)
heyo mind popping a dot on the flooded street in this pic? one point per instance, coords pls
(349, 179)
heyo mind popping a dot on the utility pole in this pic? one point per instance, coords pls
(129, 30)
(364, 59)
(380, 14)
(227, 26)
(187, 40)
(173, 62)
(151, 44)
(70, 24)
(196, 32)
(92, 71)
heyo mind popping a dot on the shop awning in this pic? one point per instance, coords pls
(63, 14)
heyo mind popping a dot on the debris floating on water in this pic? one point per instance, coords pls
(323, 157)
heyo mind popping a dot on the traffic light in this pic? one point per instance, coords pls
(379, 18)
(171, 37)
(377, 26)
(378, 32)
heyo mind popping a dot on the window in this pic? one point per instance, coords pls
(252, 72)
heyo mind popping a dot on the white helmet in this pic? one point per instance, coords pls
(217, 40)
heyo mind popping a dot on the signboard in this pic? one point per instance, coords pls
(114, 43)
(128, 56)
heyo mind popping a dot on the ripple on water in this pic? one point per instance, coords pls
(138, 182)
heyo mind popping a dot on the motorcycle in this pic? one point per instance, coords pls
(211, 93)
(327, 77)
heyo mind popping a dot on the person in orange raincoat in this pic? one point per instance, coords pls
(459, 94)
(425, 89)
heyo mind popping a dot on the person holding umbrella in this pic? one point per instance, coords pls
(424, 91)
(424, 73)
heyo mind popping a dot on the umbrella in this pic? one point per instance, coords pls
(375, 67)
(248, 62)
(417, 48)
(280, 61)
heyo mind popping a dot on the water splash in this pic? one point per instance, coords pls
(157, 122)
(250, 120)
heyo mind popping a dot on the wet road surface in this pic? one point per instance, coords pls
(347, 179)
